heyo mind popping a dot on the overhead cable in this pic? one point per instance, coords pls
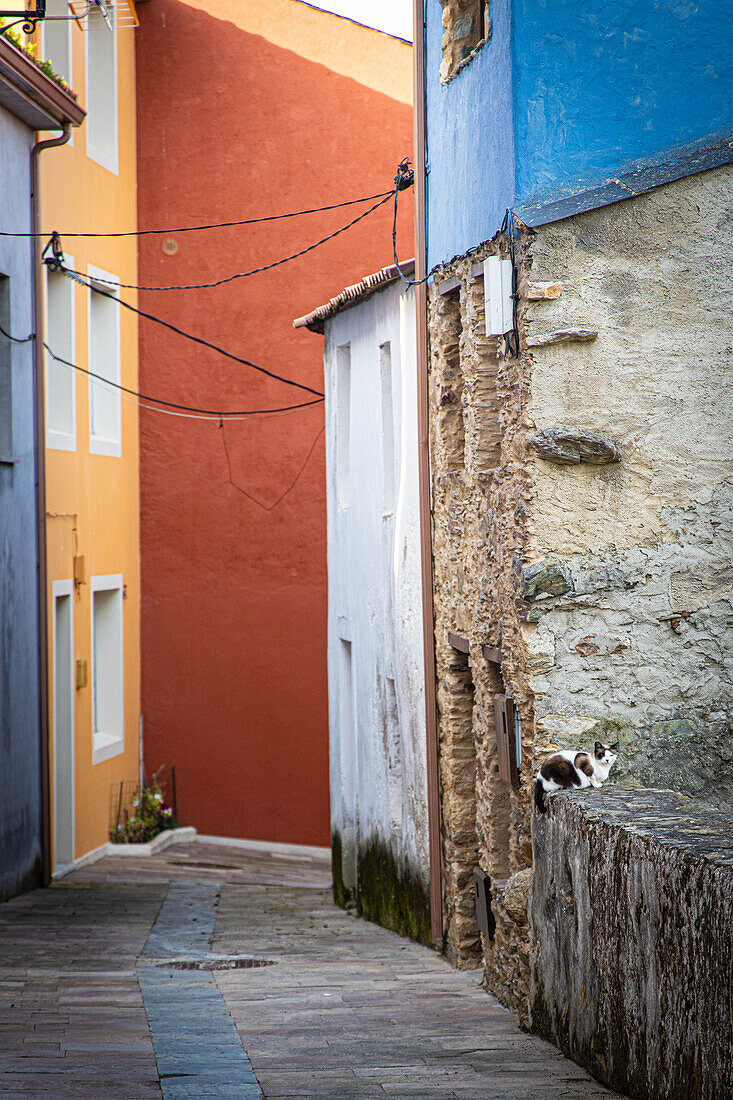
(55, 265)
(291, 486)
(215, 225)
(18, 339)
(214, 413)
(254, 270)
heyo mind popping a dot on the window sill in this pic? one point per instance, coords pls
(60, 441)
(105, 746)
(110, 448)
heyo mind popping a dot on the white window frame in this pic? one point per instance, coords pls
(61, 441)
(106, 745)
(99, 445)
(64, 588)
(100, 156)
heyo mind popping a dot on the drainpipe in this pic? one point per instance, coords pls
(423, 431)
(36, 249)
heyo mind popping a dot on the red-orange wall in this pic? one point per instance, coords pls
(234, 124)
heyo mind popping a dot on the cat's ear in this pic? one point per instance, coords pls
(614, 747)
(599, 747)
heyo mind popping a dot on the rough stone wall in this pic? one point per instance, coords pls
(581, 525)
(632, 585)
(478, 397)
(633, 958)
(466, 26)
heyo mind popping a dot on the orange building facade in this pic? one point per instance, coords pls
(91, 430)
(291, 108)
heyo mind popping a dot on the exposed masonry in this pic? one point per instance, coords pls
(466, 26)
(582, 526)
(479, 491)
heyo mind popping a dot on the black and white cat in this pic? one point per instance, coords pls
(573, 768)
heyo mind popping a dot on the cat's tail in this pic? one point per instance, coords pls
(539, 796)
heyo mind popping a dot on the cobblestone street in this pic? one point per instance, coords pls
(134, 978)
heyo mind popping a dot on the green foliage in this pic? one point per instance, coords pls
(392, 895)
(151, 816)
(31, 51)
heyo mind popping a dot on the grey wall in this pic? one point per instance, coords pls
(631, 964)
(20, 785)
(635, 643)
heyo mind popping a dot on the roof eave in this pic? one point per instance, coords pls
(31, 96)
(315, 321)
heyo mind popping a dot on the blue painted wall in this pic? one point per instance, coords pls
(566, 95)
(20, 761)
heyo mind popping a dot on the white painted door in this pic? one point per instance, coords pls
(63, 722)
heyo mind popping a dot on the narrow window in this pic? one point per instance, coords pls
(343, 423)
(57, 38)
(388, 455)
(107, 681)
(101, 122)
(60, 379)
(6, 375)
(104, 362)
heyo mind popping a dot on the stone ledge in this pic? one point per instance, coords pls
(663, 816)
(632, 922)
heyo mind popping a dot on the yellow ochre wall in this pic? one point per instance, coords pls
(92, 501)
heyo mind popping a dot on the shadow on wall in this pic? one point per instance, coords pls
(234, 597)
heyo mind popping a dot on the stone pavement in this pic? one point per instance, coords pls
(110, 986)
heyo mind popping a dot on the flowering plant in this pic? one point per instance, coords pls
(31, 51)
(151, 816)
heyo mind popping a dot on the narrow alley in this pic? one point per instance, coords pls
(128, 978)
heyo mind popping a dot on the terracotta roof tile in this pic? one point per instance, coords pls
(351, 295)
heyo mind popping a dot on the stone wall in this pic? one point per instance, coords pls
(581, 511)
(480, 488)
(633, 635)
(466, 26)
(632, 971)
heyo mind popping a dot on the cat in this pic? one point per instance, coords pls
(573, 768)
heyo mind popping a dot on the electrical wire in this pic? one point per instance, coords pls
(405, 178)
(281, 498)
(17, 339)
(508, 228)
(208, 413)
(189, 336)
(214, 225)
(254, 270)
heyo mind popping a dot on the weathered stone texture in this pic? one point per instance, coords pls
(640, 639)
(632, 966)
(479, 490)
(606, 586)
(466, 26)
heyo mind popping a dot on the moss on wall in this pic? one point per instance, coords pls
(339, 891)
(391, 894)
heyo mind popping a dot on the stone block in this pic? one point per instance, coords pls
(572, 446)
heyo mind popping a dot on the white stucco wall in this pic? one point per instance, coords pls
(375, 662)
